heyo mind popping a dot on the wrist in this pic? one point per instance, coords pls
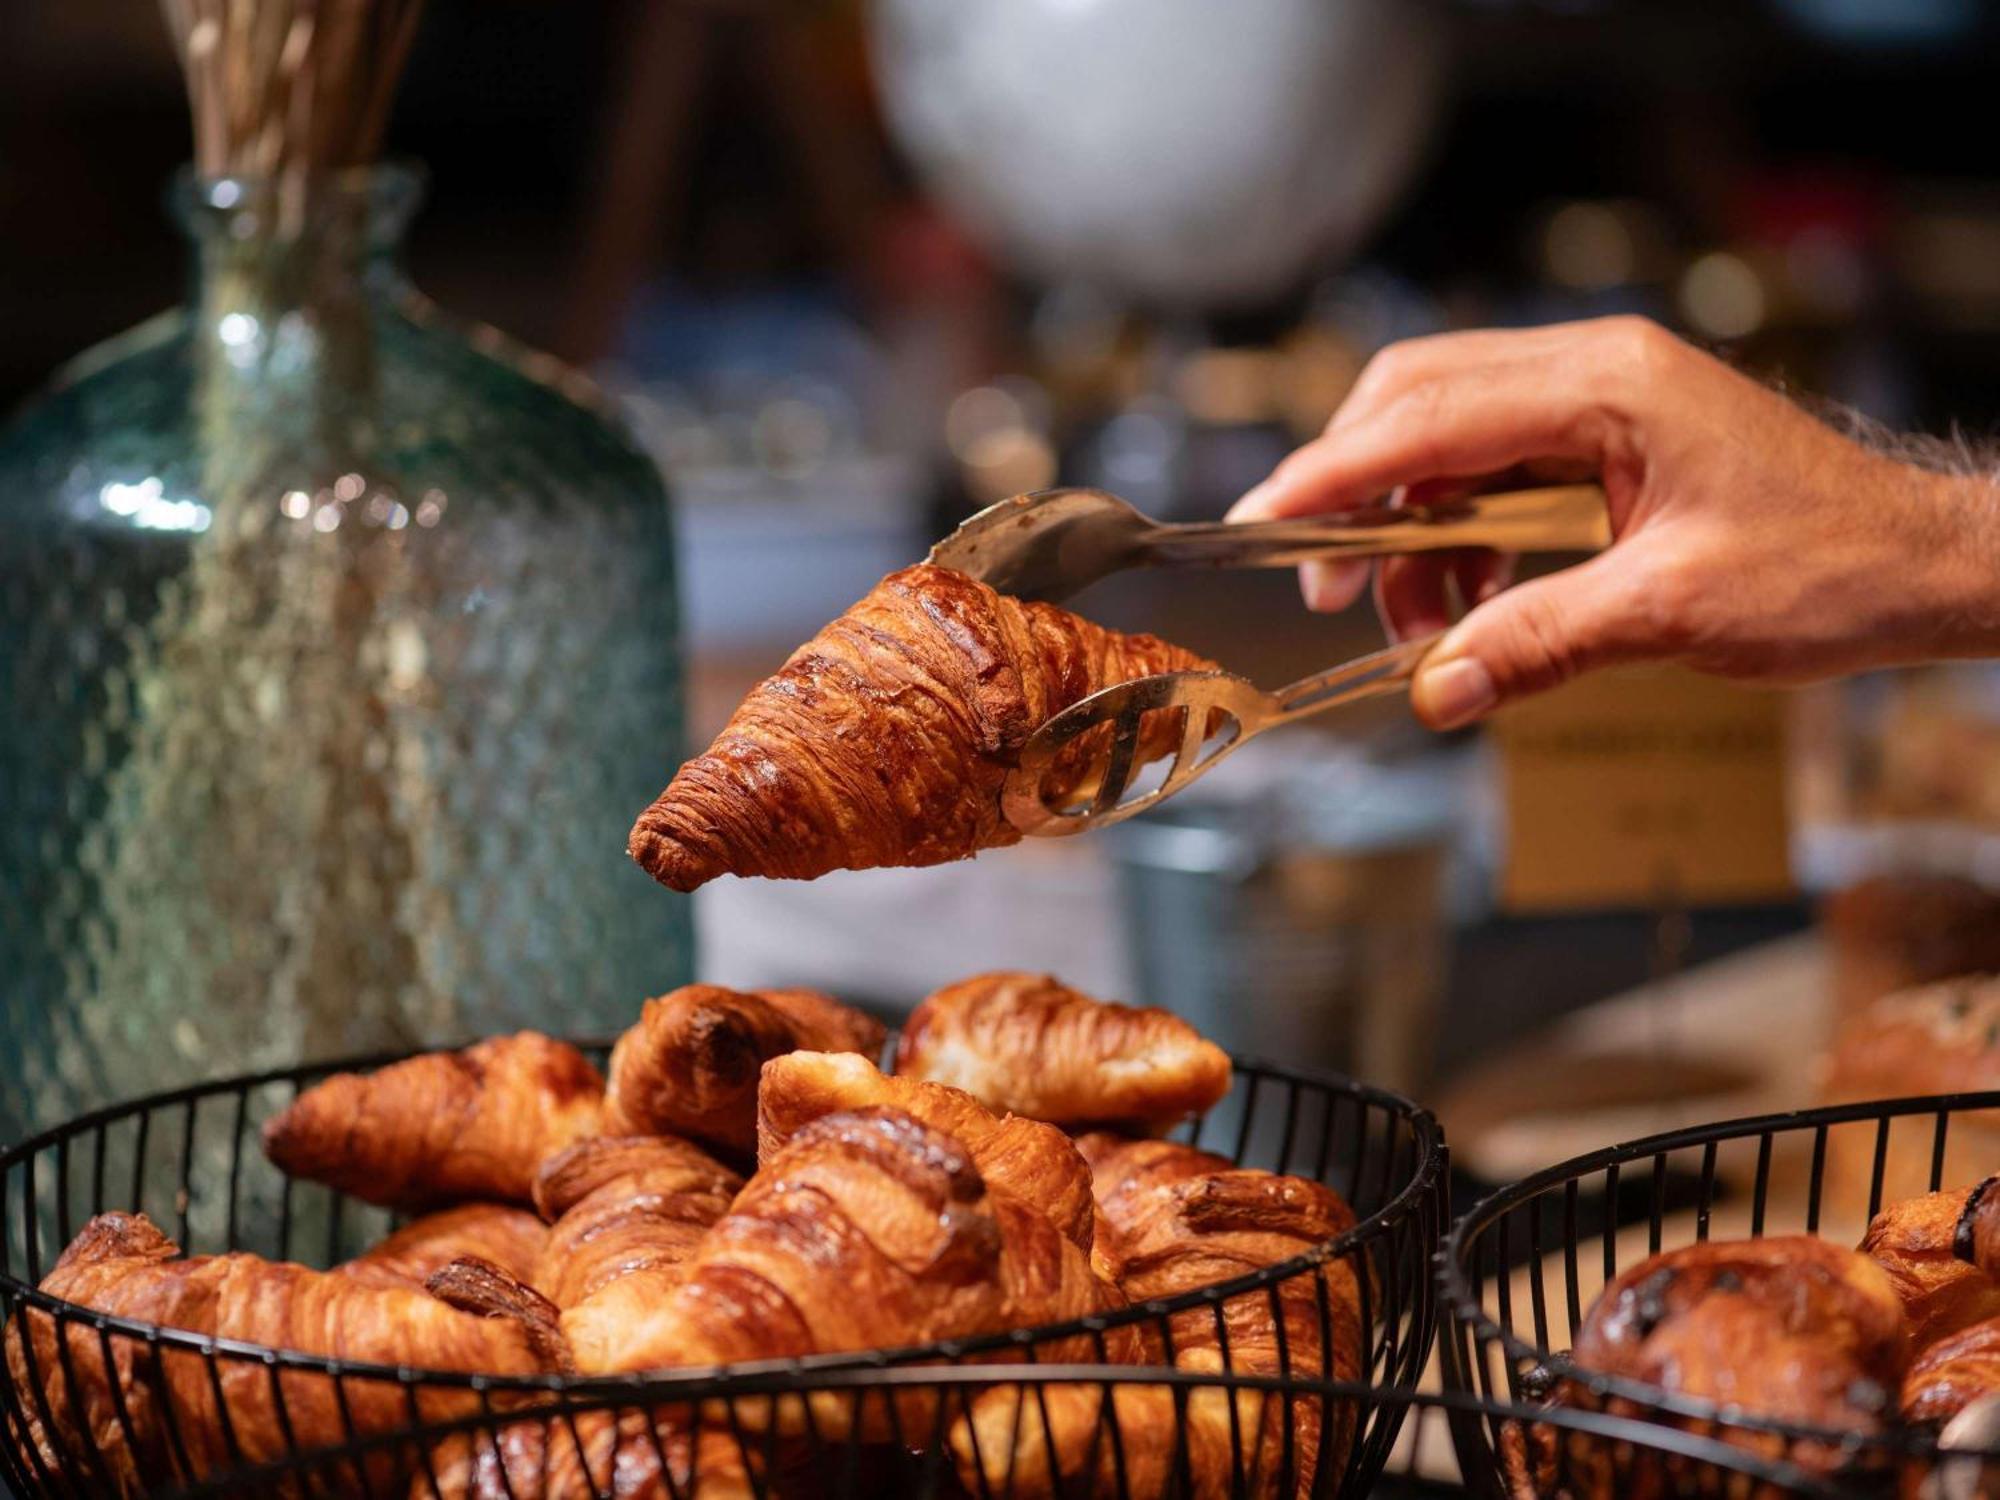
(1960, 513)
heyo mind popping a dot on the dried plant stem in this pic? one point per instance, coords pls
(290, 89)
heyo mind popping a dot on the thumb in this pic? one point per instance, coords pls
(1534, 636)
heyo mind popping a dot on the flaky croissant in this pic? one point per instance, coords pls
(867, 1229)
(1187, 1219)
(625, 1455)
(885, 739)
(1031, 1044)
(511, 1238)
(442, 1126)
(630, 1213)
(1029, 1159)
(689, 1065)
(170, 1422)
(1940, 1252)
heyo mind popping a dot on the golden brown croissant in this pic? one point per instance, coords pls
(511, 1238)
(868, 1229)
(689, 1065)
(1186, 1219)
(1791, 1327)
(1937, 1250)
(885, 739)
(173, 1424)
(1031, 1044)
(443, 1125)
(625, 1455)
(1027, 1158)
(632, 1212)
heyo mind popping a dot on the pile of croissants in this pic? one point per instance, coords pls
(743, 1184)
(1903, 1332)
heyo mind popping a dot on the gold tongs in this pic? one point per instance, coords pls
(1052, 543)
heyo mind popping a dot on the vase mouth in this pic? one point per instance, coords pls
(381, 199)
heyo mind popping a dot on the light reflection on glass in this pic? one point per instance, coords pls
(147, 506)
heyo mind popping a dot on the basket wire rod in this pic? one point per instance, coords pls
(230, 1443)
(1290, 1133)
(184, 1199)
(1879, 1168)
(1503, 1285)
(1239, 1483)
(12, 1412)
(36, 1385)
(1705, 1196)
(1248, 1116)
(137, 1197)
(1818, 1180)
(335, 1203)
(1656, 1214)
(1287, 1449)
(99, 1139)
(1937, 1149)
(1108, 1427)
(31, 1231)
(177, 1444)
(62, 1191)
(1760, 1192)
(1357, 1151)
(1572, 1298)
(1537, 1295)
(236, 1131)
(345, 1410)
(279, 1406)
(1324, 1156)
(1610, 1230)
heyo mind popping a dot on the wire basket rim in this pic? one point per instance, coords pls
(1404, 1399)
(1463, 1305)
(674, 1383)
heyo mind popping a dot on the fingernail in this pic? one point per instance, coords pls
(1457, 692)
(1255, 502)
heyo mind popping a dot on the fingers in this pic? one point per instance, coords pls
(1329, 585)
(1414, 594)
(1537, 635)
(1462, 404)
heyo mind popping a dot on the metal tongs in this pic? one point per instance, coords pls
(1049, 544)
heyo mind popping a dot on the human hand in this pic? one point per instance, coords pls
(1751, 540)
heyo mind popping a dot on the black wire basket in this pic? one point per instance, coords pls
(1519, 1271)
(225, 1418)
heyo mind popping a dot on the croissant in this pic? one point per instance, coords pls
(689, 1065)
(626, 1455)
(442, 1125)
(1031, 1044)
(1951, 1374)
(1186, 1219)
(631, 1213)
(885, 739)
(511, 1238)
(868, 1229)
(1939, 1252)
(149, 1424)
(1790, 1327)
(1027, 1158)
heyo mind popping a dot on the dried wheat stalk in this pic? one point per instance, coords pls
(289, 89)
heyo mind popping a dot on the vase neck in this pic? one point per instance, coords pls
(265, 250)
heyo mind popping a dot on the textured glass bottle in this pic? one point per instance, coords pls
(338, 651)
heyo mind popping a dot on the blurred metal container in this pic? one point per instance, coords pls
(1306, 923)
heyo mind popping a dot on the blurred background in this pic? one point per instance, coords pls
(853, 271)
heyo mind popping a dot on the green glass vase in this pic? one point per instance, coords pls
(338, 645)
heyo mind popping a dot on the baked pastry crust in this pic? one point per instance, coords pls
(1031, 1044)
(886, 738)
